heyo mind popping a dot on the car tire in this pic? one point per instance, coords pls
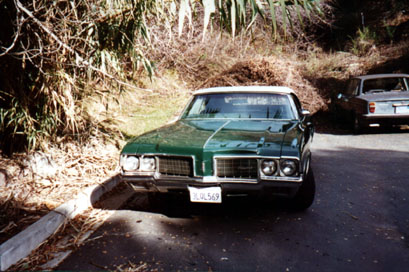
(356, 125)
(335, 113)
(306, 193)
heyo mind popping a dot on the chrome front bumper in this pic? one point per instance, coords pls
(158, 183)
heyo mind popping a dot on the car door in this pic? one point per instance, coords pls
(346, 101)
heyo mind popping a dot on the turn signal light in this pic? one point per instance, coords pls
(372, 107)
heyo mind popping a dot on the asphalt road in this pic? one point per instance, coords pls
(358, 222)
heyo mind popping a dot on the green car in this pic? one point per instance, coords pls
(228, 141)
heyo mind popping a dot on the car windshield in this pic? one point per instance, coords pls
(388, 84)
(240, 105)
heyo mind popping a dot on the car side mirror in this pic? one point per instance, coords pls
(306, 117)
(305, 112)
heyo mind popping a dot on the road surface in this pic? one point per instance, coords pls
(358, 222)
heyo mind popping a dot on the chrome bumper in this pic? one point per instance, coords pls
(385, 116)
(385, 119)
(286, 187)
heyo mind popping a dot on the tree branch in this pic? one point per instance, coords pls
(19, 24)
(78, 57)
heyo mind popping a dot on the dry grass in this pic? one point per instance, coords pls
(272, 71)
(77, 167)
(28, 194)
(132, 113)
(193, 59)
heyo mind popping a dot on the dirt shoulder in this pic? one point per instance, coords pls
(38, 182)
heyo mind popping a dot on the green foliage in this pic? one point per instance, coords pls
(236, 15)
(57, 49)
(55, 53)
(364, 40)
(25, 124)
(390, 31)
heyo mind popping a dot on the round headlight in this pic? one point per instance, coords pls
(268, 167)
(288, 167)
(130, 163)
(147, 164)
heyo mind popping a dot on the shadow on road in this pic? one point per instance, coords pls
(325, 123)
(179, 206)
(359, 220)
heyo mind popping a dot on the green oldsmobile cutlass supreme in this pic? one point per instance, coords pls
(228, 140)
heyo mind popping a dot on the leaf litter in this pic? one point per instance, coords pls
(28, 193)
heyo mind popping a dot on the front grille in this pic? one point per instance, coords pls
(175, 166)
(245, 168)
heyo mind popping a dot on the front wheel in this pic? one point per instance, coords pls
(306, 193)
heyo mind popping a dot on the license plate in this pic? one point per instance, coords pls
(402, 109)
(206, 194)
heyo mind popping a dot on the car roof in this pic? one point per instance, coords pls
(246, 89)
(381, 76)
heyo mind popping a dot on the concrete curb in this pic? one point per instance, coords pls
(21, 245)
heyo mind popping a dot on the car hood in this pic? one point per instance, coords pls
(196, 137)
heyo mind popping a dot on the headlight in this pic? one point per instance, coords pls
(268, 167)
(147, 164)
(288, 167)
(129, 163)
